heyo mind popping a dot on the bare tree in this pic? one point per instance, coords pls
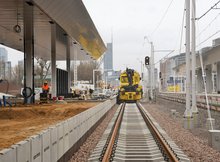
(42, 68)
(17, 75)
(85, 70)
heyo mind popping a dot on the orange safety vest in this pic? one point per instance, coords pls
(45, 87)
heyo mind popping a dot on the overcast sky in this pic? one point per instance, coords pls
(131, 20)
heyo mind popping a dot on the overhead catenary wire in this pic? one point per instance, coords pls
(161, 20)
(208, 11)
(207, 26)
(208, 38)
(183, 28)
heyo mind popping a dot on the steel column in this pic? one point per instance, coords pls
(194, 106)
(68, 61)
(28, 48)
(53, 60)
(188, 111)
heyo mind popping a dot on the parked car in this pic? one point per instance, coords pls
(108, 93)
(98, 94)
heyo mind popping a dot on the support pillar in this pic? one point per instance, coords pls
(214, 78)
(53, 61)
(68, 61)
(200, 85)
(193, 51)
(208, 78)
(188, 111)
(218, 77)
(75, 66)
(28, 50)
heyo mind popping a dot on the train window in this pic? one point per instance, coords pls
(124, 79)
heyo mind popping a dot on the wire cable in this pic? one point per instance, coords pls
(161, 20)
(208, 25)
(208, 38)
(208, 10)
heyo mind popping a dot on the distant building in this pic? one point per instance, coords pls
(112, 78)
(5, 65)
(171, 77)
(109, 73)
(108, 58)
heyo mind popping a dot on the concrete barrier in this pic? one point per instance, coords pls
(51, 144)
(8, 155)
(23, 151)
(36, 148)
(46, 146)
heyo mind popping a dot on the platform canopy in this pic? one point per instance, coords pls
(72, 21)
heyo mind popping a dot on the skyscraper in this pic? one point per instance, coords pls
(108, 58)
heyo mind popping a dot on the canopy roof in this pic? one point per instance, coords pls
(72, 20)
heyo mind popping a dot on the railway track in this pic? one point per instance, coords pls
(133, 135)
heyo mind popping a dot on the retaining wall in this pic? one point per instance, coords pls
(53, 143)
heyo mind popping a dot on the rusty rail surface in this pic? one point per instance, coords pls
(108, 151)
(168, 152)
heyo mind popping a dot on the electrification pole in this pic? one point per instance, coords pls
(152, 71)
(188, 111)
(194, 106)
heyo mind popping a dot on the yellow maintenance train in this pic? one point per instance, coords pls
(130, 89)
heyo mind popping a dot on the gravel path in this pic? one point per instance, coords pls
(196, 148)
(86, 149)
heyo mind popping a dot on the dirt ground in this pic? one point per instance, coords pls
(17, 124)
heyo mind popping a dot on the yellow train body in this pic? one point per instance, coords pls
(130, 89)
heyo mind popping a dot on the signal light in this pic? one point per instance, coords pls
(147, 60)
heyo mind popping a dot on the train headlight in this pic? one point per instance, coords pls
(122, 90)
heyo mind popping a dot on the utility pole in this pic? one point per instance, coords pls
(152, 71)
(193, 51)
(188, 111)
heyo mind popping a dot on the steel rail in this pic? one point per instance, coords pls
(109, 148)
(166, 148)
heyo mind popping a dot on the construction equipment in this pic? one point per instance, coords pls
(130, 89)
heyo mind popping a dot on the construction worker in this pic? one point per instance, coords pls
(45, 87)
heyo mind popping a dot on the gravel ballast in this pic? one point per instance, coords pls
(195, 148)
(86, 149)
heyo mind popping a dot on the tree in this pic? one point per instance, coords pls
(85, 70)
(42, 68)
(17, 74)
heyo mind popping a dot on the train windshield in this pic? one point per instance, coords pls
(124, 79)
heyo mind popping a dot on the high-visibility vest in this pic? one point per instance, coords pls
(45, 87)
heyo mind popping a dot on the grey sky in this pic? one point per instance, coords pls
(131, 20)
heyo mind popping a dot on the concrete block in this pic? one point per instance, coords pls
(23, 151)
(8, 155)
(66, 136)
(46, 146)
(214, 139)
(70, 127)
(36, 148)
(60, 141)
(53, 144)
(188, 123)
(210, 121)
